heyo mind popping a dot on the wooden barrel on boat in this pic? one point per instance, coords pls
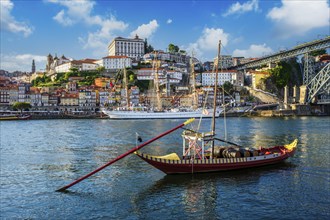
(218, 151)
(254, 152)
(245, 153)
(231, 153)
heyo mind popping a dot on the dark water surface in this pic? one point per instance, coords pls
(40, 156)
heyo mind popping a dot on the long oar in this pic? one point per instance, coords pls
(125, 154)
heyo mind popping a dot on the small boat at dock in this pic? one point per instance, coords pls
(14, 117)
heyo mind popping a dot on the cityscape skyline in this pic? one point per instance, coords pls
(30, 30)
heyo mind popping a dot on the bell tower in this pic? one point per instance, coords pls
(33, 70)
(50, 60)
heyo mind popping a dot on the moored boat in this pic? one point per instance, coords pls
(166, 114)
(14, 117)
(173, 164)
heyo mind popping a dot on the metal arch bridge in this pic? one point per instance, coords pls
(321, 81)
(299, 50)
(315, 83)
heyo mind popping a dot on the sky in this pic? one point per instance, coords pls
(79, 29)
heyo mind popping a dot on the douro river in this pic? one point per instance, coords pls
(39, 156)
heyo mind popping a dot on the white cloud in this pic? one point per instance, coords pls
(208, 43)
(253, 51)
(169, 21)
(62, 20)
(9, 23)
(75, 11)
(81, 12)
(298, 17)
(145, 30)
(22, 62)
(238, 8)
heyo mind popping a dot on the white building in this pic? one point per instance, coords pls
(81, 65)
(116, 62)
(148, 73)
(22, 90)
(208, 78)
(87, 99)
(45, 99)
(175, 74)
(104, 97)
(120, 46)
(166, 56)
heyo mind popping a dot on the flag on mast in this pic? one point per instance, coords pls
(138, 137)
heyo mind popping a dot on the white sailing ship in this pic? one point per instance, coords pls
(130, 112)
(174, 113)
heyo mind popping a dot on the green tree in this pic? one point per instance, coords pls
(100, 69)
(173, 48)
(40, 80)
(147, 47)
(21, 106)
(150, 49)
(280, 75)
(67, 75)
(318, 52)
(228, 87)
(74, 69)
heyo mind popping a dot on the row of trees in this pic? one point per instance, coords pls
(88, 77)
(21, 106)
(175, 49)
(172, 48)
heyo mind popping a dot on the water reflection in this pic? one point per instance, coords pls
(200, 195)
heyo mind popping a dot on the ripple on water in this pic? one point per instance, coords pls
(46, 155)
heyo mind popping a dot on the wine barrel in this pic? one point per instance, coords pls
(231, 153)
(218, 151)
(254, 152)
(245, 153)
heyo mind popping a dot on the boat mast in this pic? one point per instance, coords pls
(159, 103)
(195, 100)
(215, 96)
(126, 88)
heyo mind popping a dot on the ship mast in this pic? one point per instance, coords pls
(126, 88)
(195, 100)
(159, 103)
(215, 96)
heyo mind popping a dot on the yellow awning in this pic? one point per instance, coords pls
(172, 156)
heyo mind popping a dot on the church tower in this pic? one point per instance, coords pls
(49, 62)
(33, 67)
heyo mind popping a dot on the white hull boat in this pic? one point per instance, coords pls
(171, 114)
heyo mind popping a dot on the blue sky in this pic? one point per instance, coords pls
(81, 29)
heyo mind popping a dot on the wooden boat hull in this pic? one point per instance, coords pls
(181, 166)
(14, 117)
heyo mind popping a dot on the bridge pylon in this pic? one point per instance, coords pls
(309, 68)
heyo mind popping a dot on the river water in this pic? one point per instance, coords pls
(40, 156)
